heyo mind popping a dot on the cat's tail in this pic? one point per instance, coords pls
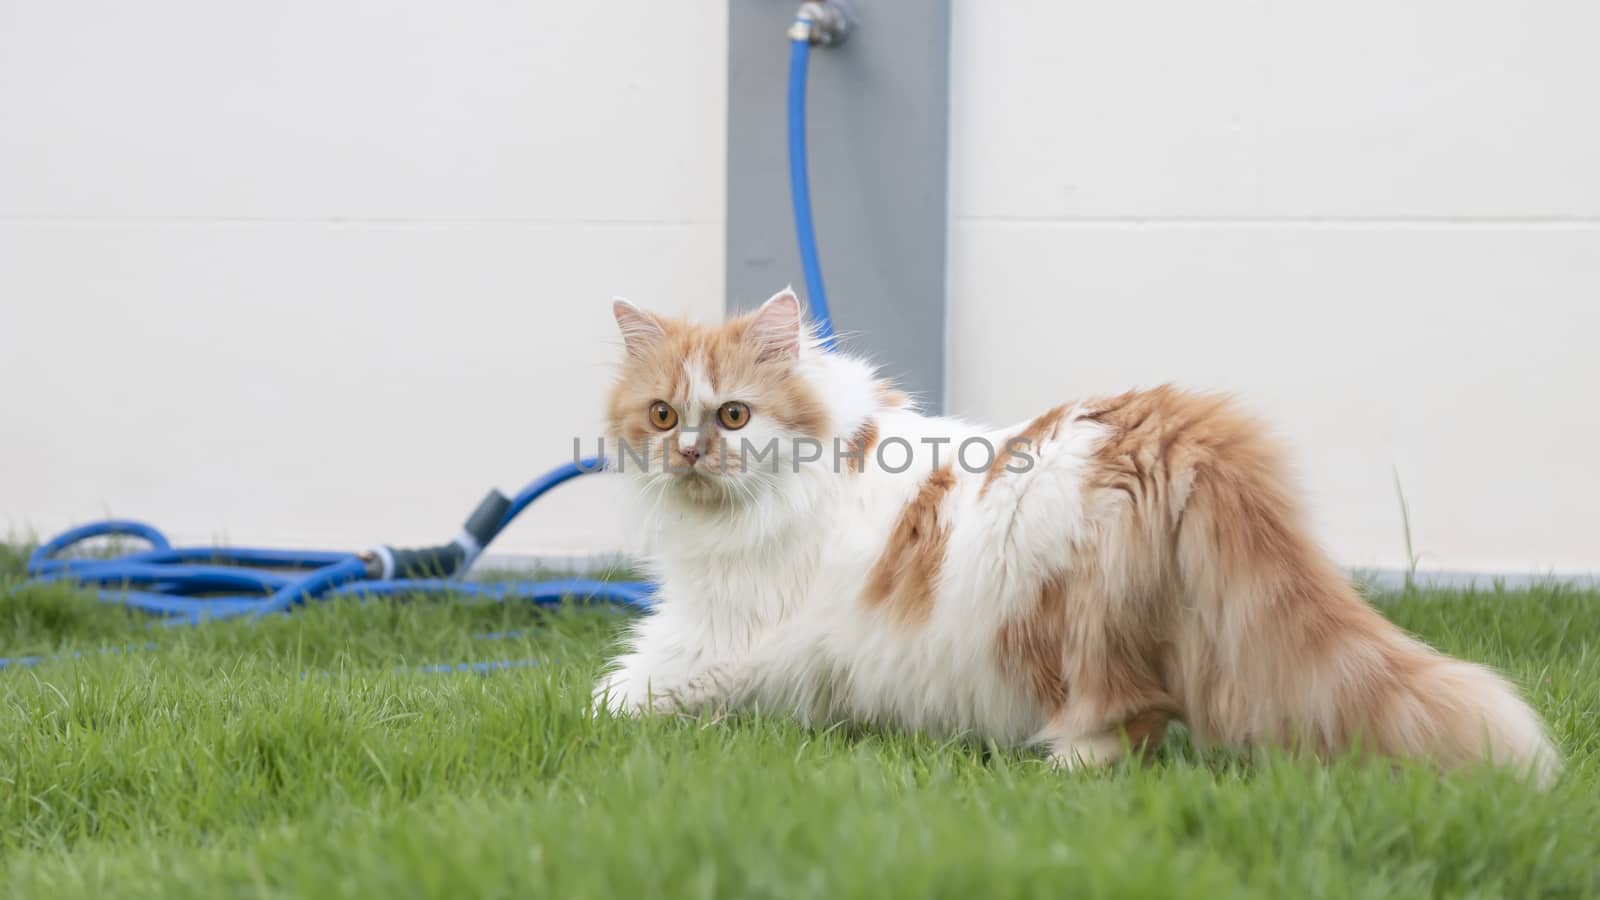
(1274, 646)
(1458, 714)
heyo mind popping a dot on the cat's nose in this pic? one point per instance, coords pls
(690, 453)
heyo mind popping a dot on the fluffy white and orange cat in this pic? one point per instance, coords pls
(1114, 564)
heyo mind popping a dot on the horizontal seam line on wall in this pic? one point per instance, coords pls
(1288, 221)
(1086, 221)
(354, 220)
(1395, 576)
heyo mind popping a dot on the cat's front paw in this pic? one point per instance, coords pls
(623, 695)
(612, 695)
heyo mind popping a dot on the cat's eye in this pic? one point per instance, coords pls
(663, 416)
(733, 415)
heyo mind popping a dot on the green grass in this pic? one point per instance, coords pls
(306, 756)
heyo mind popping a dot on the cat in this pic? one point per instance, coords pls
(1073, 583)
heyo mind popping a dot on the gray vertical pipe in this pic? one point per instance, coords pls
(877, 128)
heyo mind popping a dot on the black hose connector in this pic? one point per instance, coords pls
(442, 561)
(485, 521)
(445, 560)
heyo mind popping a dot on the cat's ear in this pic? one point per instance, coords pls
(640, 330)
(776, 328)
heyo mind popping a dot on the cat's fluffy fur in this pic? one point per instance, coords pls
(1149, 565)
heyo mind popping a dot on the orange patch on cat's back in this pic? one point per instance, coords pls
(1028, 440)
(904, 578)
(862, 443)
(1195, 466)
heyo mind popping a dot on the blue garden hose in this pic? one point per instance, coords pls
(800, 182)
(190, 585)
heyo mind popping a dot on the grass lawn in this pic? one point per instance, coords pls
(309, 756)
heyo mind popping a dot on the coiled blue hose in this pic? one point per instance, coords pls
(190, 585)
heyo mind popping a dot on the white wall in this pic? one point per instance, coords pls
(1378, 222)
(323, 272)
